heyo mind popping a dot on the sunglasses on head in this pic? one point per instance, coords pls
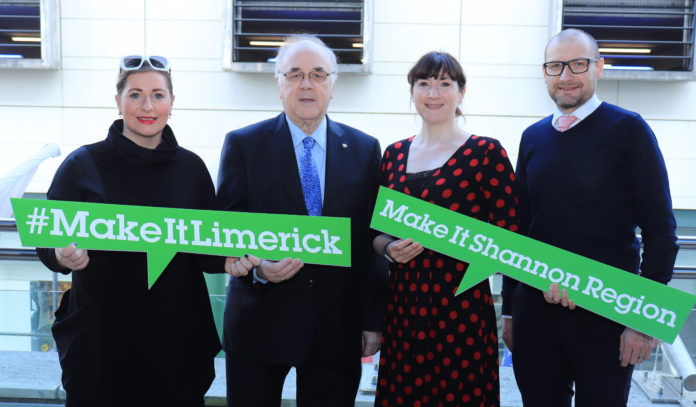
(135, 62)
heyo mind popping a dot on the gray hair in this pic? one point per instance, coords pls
(575, 33)
(295, 40)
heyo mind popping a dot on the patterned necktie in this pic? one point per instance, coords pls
(564, 122)
(310, 179)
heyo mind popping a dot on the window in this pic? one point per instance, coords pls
(255, 29)
(29, 35)
(651, 39)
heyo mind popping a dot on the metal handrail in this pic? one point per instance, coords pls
(21, 253)
(684, 273)
(678, 356)
(32, 334)
(8, 225)
(29, 254)
(686, 242)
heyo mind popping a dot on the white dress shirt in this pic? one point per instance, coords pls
(581, 112)
(318, 151)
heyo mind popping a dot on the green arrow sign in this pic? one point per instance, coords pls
(647, 306)
(162, 232)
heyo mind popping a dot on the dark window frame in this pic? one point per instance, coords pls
(50, 40)
(229, 25)
(559, 22)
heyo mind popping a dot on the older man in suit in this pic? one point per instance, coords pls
(282, 314)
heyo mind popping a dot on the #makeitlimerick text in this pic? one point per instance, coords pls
(181, 232)
(163, 232)
(458, 237)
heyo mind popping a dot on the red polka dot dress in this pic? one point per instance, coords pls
(438, 349)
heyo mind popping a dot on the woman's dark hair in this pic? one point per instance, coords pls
(437, 65)
(123, 75)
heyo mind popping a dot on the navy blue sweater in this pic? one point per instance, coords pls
(586, 190)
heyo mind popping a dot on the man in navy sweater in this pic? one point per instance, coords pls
(588, 175)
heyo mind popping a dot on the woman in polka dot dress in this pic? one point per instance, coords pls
(438, 349)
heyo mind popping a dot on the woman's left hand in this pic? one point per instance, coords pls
(404, 250)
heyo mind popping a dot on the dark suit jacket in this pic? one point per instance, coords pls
(321, 308)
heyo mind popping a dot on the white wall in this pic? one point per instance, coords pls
(500, 44)
(15, 298)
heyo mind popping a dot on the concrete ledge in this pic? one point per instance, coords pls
(34, 377)
(216, 394)
(30, 376)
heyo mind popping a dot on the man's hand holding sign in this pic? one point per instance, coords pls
(642, 304)
(553, 296)
(634, 347)
(74, 227)
(557, 296)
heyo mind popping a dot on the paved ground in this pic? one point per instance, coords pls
(34, 377)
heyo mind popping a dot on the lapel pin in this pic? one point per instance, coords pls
(344, 145)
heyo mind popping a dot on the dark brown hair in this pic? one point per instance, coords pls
(437, 65)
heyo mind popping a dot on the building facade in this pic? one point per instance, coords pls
(500, 45)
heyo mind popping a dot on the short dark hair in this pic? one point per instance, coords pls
(436, 65)
(123, 76)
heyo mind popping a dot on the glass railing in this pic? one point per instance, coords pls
(30, 294)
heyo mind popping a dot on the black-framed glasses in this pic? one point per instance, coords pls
(576, 66)
(135, 62)
(314, 76)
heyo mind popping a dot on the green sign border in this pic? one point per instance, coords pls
(162, 232)
(642, 304)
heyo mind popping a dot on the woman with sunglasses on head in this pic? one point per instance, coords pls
(438, 349)
(119, 343)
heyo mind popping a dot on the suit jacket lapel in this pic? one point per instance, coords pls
(283, 156)
(335, 167)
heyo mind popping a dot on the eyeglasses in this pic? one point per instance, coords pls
(135, 62)
(576, 66)
(314, 76)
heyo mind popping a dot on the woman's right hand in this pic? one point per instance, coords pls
(241, 266)
(403, 250)
(72, 258)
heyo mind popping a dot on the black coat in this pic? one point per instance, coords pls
(324, 309)
(116, 339)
